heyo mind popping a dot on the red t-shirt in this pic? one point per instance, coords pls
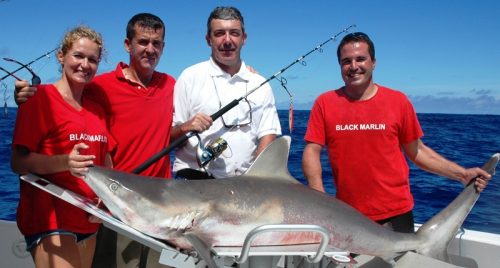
(140, 119)
(47, 124)
(363, 140)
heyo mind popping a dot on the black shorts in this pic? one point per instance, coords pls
(402, 223)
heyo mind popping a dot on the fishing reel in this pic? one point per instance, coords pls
(206, 154)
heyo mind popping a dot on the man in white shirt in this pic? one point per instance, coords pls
(204, 88)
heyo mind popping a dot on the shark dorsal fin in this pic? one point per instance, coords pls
(273, 161)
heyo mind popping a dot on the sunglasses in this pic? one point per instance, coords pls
(35, 79)
(10, 74)
(247, 120)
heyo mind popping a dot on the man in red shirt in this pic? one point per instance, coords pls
(138, 102)
(367, 130)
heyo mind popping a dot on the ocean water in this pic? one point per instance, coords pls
(468, 140)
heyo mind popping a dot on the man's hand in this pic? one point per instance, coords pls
(23, 91)
(482, 178)
(199, 123)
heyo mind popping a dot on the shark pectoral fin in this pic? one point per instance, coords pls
(273, 161)
(202, 248)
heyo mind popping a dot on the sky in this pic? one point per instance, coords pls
(443, 54)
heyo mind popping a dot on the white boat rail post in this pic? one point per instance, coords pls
(286, 228)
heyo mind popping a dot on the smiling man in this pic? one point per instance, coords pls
(367, 130)
(204, 88)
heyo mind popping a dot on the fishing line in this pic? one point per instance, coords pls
(283, 83)
(181, 140)
(5, 98)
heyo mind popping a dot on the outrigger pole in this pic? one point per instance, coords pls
(179, 141)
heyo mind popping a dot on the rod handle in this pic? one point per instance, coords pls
(177, 142)
(224, 109)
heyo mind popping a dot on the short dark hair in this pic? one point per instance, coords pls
(225, 13)
(145, 20)
(357, 37)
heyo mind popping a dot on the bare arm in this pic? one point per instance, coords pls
(198, 123)
(23, 161)
(427, 159)
(311, 165)
(264, 142)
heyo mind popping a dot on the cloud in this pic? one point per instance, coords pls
(446, 93)
(482, 91)
(482, 103)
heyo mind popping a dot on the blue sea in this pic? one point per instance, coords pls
(468, 140)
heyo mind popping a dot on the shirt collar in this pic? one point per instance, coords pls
(120, 75)
(216, 71)
(119, 70)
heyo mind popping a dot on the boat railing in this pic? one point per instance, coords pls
(325, 238)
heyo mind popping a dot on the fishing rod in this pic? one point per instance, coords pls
(26, 65)
(179, 141)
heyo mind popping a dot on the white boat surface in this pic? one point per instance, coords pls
(470, 248)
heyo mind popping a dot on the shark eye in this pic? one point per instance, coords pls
(113, 187)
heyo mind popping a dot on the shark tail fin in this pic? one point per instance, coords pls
(440, 229)
(271, 163)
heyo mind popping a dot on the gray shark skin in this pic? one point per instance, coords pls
(222, 212)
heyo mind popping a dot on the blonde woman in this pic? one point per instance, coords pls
(51, 129)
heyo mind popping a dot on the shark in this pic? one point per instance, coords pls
(193, 214)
